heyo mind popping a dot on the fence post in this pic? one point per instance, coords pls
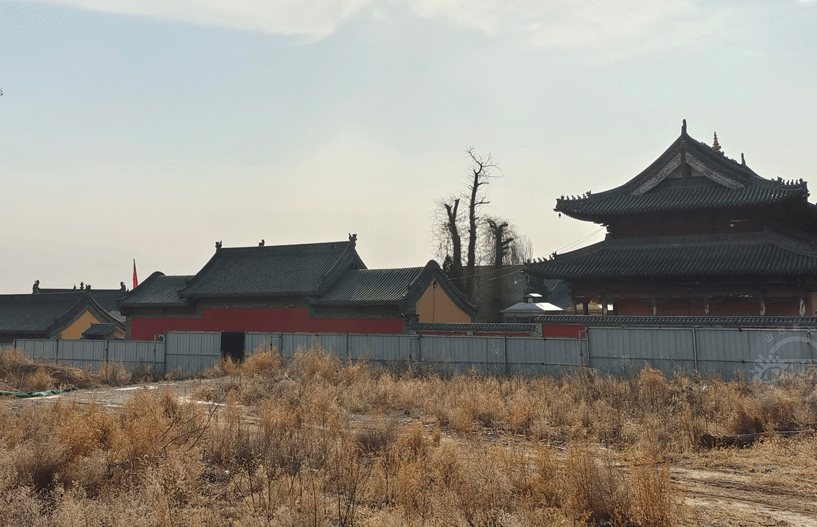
(505, 349)
(695, 347)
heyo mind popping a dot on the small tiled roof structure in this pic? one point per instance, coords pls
(733, 185)
(678, 321)
(102, 332)
(530, 309)
(747, 254)
(157, 290)
(45, 315)
(485, 328)
(400, 287)
(282, 270)
(107, 298)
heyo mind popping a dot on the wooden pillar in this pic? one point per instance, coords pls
(762, 302)
(585, 307)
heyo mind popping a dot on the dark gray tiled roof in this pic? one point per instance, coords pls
(755, 255)
(402, 287)
(99, 330)
(372, 286)
(157, 290)
(284, 270)
(43, 313)
(752, 191)
(732, 322)
(476, 328)
(107, 298)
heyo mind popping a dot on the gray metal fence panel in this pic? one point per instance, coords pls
(138, 354)
(332, 343)
(537, 356)
(462, 354)
(295, 342)
(383, 350)
(261, 342)
(723, 351)
(191, 352)
(39, 349)
(81, 353)
(763, 353)
(625, 350)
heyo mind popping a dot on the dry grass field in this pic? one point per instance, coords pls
(315, 441)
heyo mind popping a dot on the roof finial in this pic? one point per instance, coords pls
(36, 287)
(715, 145)
(742, 159)
(218, 245)
(353, 238)
(261, 243)
(684, 127)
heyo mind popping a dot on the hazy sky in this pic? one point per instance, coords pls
(150, 129)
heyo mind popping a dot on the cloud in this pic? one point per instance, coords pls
(611, 29)
(313, 19)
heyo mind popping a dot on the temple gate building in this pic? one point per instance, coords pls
(695, 234)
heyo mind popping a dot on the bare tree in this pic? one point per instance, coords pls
(451, 223)
(480, 175)
(500, 247)
(448, 227)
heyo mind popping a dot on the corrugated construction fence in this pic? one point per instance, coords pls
(727, 352)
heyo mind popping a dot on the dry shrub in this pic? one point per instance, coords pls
(153, 421)
(14, 367)
(82, 430)
(39, 380)
(655, 501)
(314, 364)
(652, 388)
(378, 437)
(114, 373)
(264, 362)
(582, 489)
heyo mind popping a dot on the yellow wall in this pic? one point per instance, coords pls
(74, 331)
(436, 306)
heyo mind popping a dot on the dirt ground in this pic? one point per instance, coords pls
(738, 492)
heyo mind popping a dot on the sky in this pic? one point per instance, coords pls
(147, 130)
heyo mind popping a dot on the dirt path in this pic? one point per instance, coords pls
(730, 497)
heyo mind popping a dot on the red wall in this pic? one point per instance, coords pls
(267, 319)
(560, 330)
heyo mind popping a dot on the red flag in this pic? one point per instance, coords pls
(135, 280)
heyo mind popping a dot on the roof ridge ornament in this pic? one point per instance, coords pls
(684, 127)
(715, 145)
